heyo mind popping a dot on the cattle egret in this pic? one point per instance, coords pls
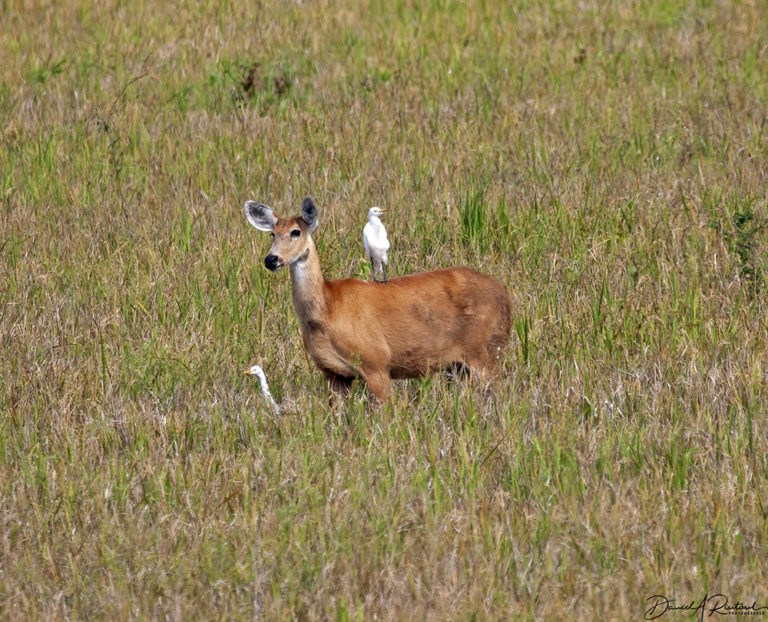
(259, 373)
(376, 242)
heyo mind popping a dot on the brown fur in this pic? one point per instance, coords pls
(409, 327)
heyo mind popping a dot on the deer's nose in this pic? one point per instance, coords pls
(272, 262)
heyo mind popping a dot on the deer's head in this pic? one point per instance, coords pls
(292, 235)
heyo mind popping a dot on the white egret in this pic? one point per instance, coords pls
(259, 373)
(376, 242)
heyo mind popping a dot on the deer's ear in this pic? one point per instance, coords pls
(260, 216)
(309, 213)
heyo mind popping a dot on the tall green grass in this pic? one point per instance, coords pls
(606, 162)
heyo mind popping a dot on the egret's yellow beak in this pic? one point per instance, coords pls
(247, 372)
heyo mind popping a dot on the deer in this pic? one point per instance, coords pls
(414, 325)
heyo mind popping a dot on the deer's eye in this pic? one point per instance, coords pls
(272, 233)
(295, 233)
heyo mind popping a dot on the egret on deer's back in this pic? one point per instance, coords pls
(376, 242)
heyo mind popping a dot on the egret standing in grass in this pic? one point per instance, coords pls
(259, 373)
(376, 242)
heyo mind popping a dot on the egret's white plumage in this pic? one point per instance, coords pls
(259, 373)
(376, 242)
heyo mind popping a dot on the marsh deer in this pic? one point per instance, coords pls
(406, 328)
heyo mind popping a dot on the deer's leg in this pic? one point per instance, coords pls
(484, 374)
(377, 381)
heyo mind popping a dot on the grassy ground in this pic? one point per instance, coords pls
(606, 160)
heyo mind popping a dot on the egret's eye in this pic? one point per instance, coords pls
(295, 233)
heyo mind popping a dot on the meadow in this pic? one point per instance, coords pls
(608, 161)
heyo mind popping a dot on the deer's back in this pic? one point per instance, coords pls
(420, 321)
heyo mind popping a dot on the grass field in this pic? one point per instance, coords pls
(606, 160)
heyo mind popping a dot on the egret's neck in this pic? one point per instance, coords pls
(307, 287)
